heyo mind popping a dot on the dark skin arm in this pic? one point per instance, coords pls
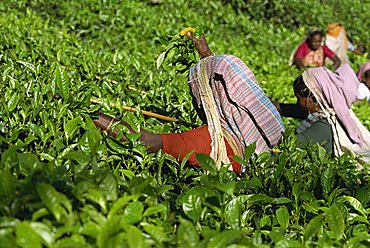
(152, 141)
(200, 44)
(336, 61)
(293, 110)
(299, 63)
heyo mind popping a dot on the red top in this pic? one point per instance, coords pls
(197, 140)
(313, 58)
(303, 49)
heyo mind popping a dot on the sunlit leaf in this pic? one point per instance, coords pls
(187, 235)
(160, 59)
(156, 233)
(356, 204)
(336, 222)
(108, 186)
(249, 150)
(232, 214)
(13, 101)
(157, 209)
(224, 239)
(313, 227)
(62, 82)
(327, 180)
(57, 203)
(228, 187)
(26, 236)
(207, 163)
(97, 197)
(283, 216)
(73, 241)
(135, 237)
(133, 213)
(71, 126)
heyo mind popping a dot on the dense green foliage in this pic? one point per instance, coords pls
(63, 183)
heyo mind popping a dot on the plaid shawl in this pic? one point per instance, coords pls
(244, 109)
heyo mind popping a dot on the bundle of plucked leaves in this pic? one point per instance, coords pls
(179, 51)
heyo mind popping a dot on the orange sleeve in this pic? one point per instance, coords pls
(197, 140)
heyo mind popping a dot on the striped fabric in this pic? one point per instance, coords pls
(236, 91)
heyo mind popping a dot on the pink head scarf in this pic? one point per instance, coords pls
(339, 90)
(365, 67)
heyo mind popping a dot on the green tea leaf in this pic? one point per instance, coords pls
(13, 101)
(37, 130)
(356, 204)
(232, 214)
(224, 239)
(283, 216)
(282, 200)
(228, 187)
(187, 235)
(207, 163)
(313, 227)
(160, 59)
(7, 186)
(108, 186)
(265, 221)
(192, 204)
(119, 204)
(327, 180)
(74, 241)
(44, 232)
(133, 212)
(97, 197)
(335, 221)
(28, 66)
(249, 151)
(135, 237)
(57, 203)
(77, 156)
(62, 82)
(30, 161)
(157, 209)
(26, 236)
(288, 243)
(156, 233)
(71, 126)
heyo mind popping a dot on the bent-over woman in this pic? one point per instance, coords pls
(327, 97)
(312, 53)
(234, 109)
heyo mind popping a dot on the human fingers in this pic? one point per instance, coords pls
(191, 36)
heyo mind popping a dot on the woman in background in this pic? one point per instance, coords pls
(337, 41)
(327, 98)
(311, 52)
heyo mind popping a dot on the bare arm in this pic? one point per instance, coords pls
(200, 44)
(293, 110)
(299, 63)
(152, 141)
(336, 61)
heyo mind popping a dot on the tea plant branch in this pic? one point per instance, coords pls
(148, 113)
